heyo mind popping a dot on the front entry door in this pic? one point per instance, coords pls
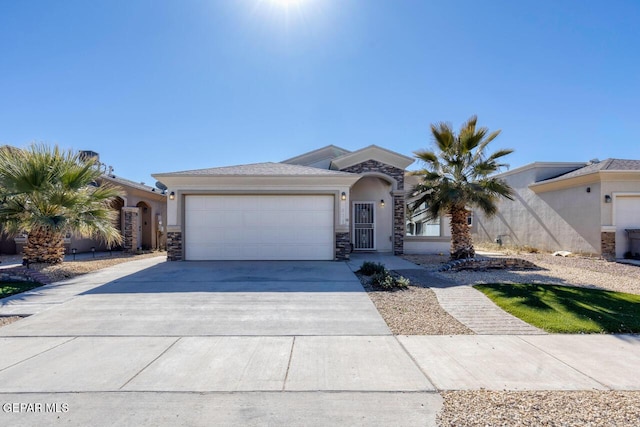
(364, 226)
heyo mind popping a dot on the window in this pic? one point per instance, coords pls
(418, 223)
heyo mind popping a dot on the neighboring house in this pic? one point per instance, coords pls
(141, 215)
(320, 205)
(578, 207)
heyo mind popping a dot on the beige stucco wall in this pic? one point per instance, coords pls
(285, 185)
(372, 189)
(564, 219)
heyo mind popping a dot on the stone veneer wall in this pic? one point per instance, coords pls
(174, 246)
(398, 199)
(343, 245)
(398, 224)
(130, 232)
(376, 166)
(608, 245)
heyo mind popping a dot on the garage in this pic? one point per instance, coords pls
(259, 227)
(627, 215)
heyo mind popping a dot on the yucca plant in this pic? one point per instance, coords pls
(457, 176)
(46, 193)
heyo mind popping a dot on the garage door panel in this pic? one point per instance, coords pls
(627, 216)
(259, 227)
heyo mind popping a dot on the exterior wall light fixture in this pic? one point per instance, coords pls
(382, 203)
(343, 196)
(172, 195)
(607, 198)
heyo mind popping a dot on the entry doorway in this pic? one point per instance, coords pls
(364, 226)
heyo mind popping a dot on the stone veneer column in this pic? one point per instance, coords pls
(130, 231)
(343, 243)
(174, 246)
(398, 223)
(398, 197)
(608, 245)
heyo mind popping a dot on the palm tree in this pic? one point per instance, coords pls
(457, 177)
(47, 193)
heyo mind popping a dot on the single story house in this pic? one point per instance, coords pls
(141, 212)
(578, 207)
(319, 205)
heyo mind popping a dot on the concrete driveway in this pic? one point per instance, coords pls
(233, 343)
(217, 298)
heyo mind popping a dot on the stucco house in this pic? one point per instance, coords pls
(141, 213)
(578, 207)
(320, 205)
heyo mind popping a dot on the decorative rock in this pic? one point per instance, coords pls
(487, 263)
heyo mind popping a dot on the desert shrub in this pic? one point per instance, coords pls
(402, 282)
(369, 268)
(386, 280)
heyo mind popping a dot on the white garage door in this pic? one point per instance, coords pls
(259, 228)
(627, 216)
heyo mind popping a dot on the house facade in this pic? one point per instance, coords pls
(578, 207)
(140, 217)
(320, 205)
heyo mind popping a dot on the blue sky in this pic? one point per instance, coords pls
(159, 86)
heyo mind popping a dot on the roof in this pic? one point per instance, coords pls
(605, 165)
(121, 181)
(258, 169)
(373, 152)
(312, 158)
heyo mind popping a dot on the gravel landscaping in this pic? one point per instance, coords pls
(69, 269)
(540, 408)
(415, 311)
(571, 270)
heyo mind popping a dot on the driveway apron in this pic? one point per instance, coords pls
(229, 331)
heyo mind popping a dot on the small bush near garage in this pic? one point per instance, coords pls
(382, 278)
(369, 268)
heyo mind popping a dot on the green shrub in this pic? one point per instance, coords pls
(386, 280)
(402, 282)
(369, 268)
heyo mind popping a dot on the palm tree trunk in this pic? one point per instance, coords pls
(461, 242)
(44, 245)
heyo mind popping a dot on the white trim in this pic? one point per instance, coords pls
(614, 197)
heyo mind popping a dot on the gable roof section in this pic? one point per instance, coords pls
(372, 152)
(320, 158)
(588, 173)
(257, 169)
(605, 165)
(131, 184)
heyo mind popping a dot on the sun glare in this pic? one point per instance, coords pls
(286, 3)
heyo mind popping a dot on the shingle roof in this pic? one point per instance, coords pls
(130, 183)
(259, 169)
(605, 165)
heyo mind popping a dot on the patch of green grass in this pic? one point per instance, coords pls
(11, 288)
(567, 309)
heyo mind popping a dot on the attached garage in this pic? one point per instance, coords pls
(259, 227)
(260, 211)
(627, 216)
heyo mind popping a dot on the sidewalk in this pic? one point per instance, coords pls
(270, 377)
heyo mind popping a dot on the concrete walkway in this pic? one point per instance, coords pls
(263, 343)
(470, 306)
